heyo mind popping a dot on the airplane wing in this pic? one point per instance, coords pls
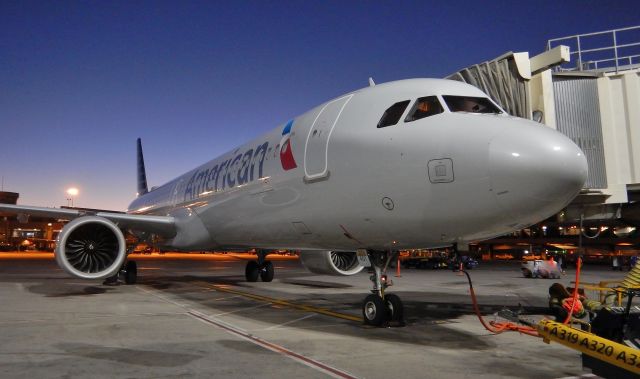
(162, 225)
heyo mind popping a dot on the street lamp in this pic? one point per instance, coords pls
(71, 192)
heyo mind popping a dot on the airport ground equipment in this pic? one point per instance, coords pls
(541, 269)
(609, 343)
(609, 293)
(464, 261)
(436, 259)
(610, 338)
(620, 324)
(606, 358)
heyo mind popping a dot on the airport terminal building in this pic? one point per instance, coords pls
(26, 233)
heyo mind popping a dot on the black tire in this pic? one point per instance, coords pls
(266, 274)
(131, 272)
(374, 311)
(395, 308)
(252, 271)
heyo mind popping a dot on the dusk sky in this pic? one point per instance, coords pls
(81, 80)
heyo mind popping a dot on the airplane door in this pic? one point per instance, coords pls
(317, 145)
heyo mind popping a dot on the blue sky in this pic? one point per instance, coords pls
(81, 80)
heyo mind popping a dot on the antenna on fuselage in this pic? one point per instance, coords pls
(142, 173)
(371, 82)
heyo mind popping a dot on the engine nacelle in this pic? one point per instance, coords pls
(91, 247)
(331, 262)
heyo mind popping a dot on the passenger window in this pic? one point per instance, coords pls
(470, 104)
(392, 115)
(424, 107)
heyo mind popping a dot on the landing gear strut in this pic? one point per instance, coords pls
(261, 268)
(379, 308)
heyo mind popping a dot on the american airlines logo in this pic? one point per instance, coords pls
(286, 154)
(238, 170)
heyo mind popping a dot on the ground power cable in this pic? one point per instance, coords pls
(500, 327)
(574, 298)
(494, 326)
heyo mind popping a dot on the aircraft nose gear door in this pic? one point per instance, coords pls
(317, 145)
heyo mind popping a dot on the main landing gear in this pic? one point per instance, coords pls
(261, 268)
(128, 272)
(380, 309)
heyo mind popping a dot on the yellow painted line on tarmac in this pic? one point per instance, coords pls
(306, 308)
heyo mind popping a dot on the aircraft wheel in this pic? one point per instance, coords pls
(131, 272)
(395, 308)
(374, 311)
(252, 271)
(266, 274)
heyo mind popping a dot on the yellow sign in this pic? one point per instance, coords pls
(600, 348)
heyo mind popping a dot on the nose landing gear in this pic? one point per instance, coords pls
(380, 309)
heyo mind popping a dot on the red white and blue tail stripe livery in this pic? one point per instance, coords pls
(286, 154)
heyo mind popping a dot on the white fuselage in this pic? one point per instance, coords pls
(342, 183)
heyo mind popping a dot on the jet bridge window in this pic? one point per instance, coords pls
(392, 115)
(424, 107)
(470, 104)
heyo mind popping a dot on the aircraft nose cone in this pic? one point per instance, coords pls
(535, 171)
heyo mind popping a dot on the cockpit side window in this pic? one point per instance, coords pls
(470, 104)
(424, 107)
(392, 115)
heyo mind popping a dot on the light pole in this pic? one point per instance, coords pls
(71, 192)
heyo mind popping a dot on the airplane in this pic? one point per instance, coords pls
(416, 163)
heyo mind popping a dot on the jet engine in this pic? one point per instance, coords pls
(331, 262)
(91, 247)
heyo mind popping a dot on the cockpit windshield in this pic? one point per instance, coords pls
(470, 104)
(424, 107)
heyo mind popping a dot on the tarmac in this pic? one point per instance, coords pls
(195, 316)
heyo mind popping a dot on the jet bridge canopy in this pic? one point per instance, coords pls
(504, 79)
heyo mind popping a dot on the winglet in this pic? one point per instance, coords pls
(142, 174)
(371, 82)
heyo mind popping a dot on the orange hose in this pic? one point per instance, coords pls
(575, 291)
(500, 327)
(497, 327)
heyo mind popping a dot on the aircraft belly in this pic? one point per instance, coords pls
(259, 219)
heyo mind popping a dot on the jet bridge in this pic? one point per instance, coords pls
(505, 79)
(588, 87)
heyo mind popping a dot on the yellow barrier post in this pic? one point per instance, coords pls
(590, 344)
